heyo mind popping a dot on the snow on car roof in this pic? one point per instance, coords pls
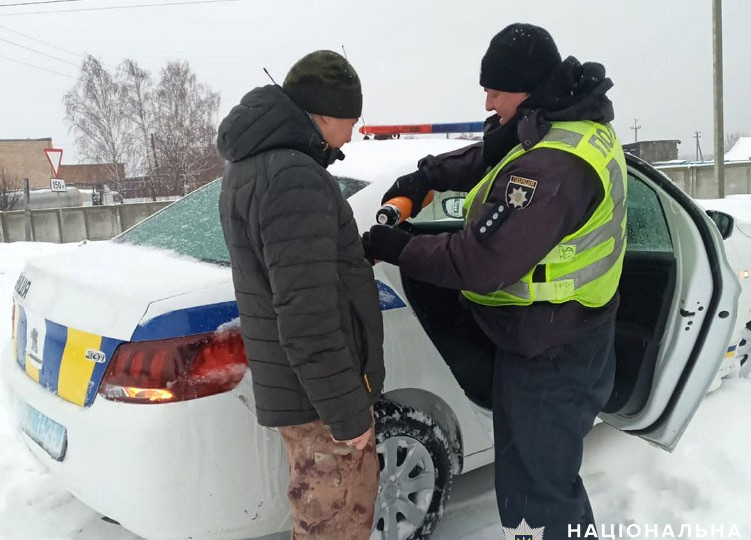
(379, 161)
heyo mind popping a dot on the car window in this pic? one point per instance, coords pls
(446, 206)
(191, 226)
(646, 227)
(350, 186)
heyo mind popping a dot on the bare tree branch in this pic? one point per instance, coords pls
(94, 110)
(185, 116)
(10, 191)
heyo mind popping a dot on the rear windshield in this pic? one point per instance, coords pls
(191, 226)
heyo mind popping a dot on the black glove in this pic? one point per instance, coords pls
(384, 243)
(414, 185)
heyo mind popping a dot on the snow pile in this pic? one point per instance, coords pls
(741, 150)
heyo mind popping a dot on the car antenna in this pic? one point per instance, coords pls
(362, 113)
(266, 71)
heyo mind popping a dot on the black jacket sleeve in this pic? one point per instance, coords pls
(458, 170)
(567, 193)
(299, 225)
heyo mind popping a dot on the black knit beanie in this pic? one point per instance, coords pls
(323, 82)
(519, 58)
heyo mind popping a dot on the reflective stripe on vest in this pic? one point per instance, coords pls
(586, 265)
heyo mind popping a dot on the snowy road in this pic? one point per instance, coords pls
(704, 482)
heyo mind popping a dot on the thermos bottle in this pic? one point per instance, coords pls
(396, 210)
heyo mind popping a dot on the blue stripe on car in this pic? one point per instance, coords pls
(21, 337)
(201, 319)
(186, 322)
(108, 347)
(56, 335)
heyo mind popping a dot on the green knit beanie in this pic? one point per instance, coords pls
(323, 82)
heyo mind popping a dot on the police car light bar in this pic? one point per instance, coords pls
(455, 127)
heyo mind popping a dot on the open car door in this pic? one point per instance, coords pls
(678, 307)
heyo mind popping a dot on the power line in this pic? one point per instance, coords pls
(134, 6)
(41, 41)
(36, 67)
(38, 51)
(39, 2)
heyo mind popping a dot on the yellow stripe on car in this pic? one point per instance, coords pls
(75, 369)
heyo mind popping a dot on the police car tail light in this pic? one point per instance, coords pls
(180, 369)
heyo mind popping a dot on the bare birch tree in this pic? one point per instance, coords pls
(138, 102)
(165, 133)
(185, 119)
(94, 111)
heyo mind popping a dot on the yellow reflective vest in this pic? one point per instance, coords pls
(586, 265)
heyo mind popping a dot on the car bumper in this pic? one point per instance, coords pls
(202, 469)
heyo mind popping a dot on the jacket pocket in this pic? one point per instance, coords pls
(360, 338)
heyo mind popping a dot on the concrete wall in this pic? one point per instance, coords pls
(699, 182)
(79, 223)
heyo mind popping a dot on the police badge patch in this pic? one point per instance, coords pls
(519, 191)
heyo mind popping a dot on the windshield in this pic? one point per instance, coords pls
(191, 226)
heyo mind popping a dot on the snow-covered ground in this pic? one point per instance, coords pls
(705, 482)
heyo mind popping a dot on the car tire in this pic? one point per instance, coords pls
(416, 473)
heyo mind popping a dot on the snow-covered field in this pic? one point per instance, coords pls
(705, 482)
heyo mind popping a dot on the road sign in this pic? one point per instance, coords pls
(55, 157)
(56, 184)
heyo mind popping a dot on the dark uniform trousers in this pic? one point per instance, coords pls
(542, 409)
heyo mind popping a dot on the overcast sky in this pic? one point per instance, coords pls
(418, 59)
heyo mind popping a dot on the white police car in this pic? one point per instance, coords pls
(130, 382)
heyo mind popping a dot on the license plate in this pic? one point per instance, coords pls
(51, 436)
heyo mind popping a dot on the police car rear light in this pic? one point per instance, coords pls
(180, 369)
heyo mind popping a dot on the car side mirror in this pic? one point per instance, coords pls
(453, 207)
(724, 222)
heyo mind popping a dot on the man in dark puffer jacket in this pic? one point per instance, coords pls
(307, 298)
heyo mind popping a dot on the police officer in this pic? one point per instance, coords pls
(538, 264)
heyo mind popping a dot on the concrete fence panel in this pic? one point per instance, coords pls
(78, 223)
(698, 179)
(74, 225)
(132, 214)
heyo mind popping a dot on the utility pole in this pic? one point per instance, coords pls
(697, 136)
(154, 168)
(636, 127)
(27, 211)
(719, 128)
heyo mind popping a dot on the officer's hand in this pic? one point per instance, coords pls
(384, 243)
(415, 186)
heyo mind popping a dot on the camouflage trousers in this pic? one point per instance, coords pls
(332, 486)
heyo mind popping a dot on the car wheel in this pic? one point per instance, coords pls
(416, 473)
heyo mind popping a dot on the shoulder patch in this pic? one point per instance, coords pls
(520, 191)
(489, 223)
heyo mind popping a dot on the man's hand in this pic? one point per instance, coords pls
(415, 186)
(384, 243)
(359, 442)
